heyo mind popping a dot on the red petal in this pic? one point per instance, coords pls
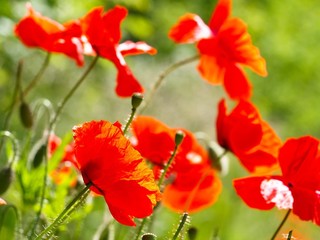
(189, 29)
(249, 191)
(192, 195)
(236, 83)
(153, 139)
(236, 43)
(220, 14)
(131, 48)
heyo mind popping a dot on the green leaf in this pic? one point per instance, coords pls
(8, 221)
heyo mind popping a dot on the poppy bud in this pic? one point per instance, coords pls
(39, 156)
(214, 157)
(192, 233)
(148, 236)
(136, 100)
(6, 176)
(179, 137)
(26, 115)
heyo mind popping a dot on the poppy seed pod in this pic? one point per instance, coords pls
(26, 115)
(6, 176)
(136, 100)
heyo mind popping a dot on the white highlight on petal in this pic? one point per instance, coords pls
(274, 191)
(194, 157)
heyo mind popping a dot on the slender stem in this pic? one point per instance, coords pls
(51, 127)
(133, 111)
(71, 92)
(281, 224)
(65, 213)
(15, 144)
(182, 222)
(140, 229)
(163, 75)
(165, 170)
(39, 75)
(43, 193)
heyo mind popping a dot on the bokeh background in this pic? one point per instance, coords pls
(288, 35)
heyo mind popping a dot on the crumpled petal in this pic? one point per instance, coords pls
(135, 48)
(116, 170)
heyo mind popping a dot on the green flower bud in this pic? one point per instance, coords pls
(179, 137)
(215, 158)
(136, 100)
(148, 236)
(192, 233)
(26, 115)
(39, 156)
(6, 176)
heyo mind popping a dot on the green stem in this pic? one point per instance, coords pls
(15, 144)
(163, 75)
(71, 92)
(281, 224)
(140, 229)
(165, 170)
(51, 127)
(72, 206)
(133, 111)
(39, 75)
(182, 222)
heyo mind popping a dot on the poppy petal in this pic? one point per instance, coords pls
(189, 29)
(132, 48)
(248, 189)
(220, 14)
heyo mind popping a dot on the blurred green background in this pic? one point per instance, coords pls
(287, 33)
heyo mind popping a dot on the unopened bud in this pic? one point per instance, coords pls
(136, 100)
(148, 236)
(39, 156)
(179, 137)
(215, 158)
(192, 233)
(6, 176)
(26, 115)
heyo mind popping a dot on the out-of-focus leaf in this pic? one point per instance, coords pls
(8, 221)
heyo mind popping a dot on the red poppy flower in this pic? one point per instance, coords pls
(248, 136)
(65, 169)
(224, 45)
(102, 30)
(35, 30)
(195, 185)
(299, 186)
(116, 170)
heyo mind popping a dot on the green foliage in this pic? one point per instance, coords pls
(8, 222)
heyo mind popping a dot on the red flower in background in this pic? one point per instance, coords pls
(35, 30)
(195, 184)
(102, 30)
(299, 186)
(224, 45)
(116, 170)
(65, 169)
(248, 136)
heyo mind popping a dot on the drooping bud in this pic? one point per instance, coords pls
(39, 156)
(6, 176)
(26, 115)
(148, 236)
(215, 159)
(136, 100)
(179, 137)
(192, 233)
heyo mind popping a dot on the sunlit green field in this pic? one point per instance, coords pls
(286, 32)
